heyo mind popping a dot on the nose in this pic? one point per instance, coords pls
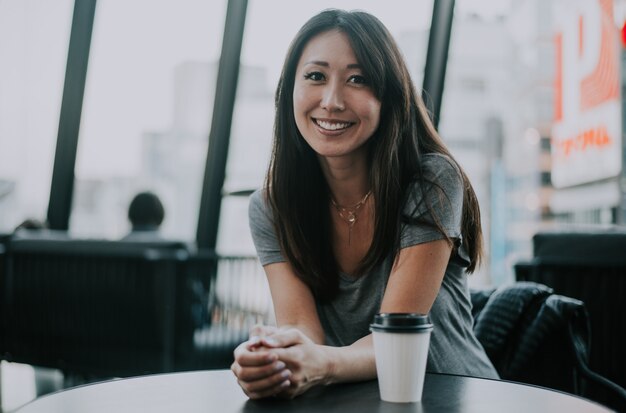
(332, 98)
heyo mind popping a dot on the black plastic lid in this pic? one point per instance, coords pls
(401, 322)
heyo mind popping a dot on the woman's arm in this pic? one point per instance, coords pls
(416, 277)
(412, 287)
(293, 301)
(259, 371)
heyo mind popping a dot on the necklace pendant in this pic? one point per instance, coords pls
(348, 214)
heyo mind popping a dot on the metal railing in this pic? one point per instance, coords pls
(240, 293)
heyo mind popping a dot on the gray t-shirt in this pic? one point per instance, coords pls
(454, 348)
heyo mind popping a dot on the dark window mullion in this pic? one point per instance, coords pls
(437, 56)
(217, 156)
(62, 185)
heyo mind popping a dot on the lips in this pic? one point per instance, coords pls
(331, 125)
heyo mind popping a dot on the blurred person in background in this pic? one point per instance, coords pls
(145, 213)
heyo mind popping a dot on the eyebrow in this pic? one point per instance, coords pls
(325, 64)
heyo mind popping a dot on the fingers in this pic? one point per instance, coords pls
(259, 372)
(250, 374)
(280, 384)
(247, 357)
(284, 338)
(273, 337)
(267, 385)
(253, 343)
(260, 382)
(264, 365)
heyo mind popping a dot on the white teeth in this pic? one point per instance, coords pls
(332, 126)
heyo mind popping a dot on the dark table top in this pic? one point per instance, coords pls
(217, 391)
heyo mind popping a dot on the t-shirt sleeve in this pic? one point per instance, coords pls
(442, 190)
(262, 230)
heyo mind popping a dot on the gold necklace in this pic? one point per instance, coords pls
(348, 214)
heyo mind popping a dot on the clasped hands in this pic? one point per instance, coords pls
(281, 362)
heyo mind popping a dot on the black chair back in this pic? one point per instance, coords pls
(4, 239)
(104, 308)
(588, 264)
(535, 336)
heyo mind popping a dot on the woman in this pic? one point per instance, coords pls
(363, 211)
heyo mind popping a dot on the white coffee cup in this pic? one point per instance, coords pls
(401, 343)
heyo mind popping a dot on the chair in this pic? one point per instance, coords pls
(203, 341)
(535, 336)
(4, 238)
(91, 307)
(97, 308)
(588, 264)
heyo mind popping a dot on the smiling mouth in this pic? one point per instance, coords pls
(332, 126)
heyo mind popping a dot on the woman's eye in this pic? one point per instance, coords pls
(358, 79)
(315, 76)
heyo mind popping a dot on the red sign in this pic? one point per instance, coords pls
(586, 135)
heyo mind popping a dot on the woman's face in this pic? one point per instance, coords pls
(334, 106)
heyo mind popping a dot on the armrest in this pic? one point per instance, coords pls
(578, 331)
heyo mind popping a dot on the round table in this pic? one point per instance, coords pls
(217, 391)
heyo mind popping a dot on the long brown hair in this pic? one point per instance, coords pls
(296, 189)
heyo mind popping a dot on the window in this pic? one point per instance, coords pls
(546, 178)
(146, 113)
(265, 44)
(34, 37)
(477, 90)
(473, 84)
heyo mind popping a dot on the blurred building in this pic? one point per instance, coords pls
(528, 152)
(589, 188)
(587, 127)
(499, 117)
